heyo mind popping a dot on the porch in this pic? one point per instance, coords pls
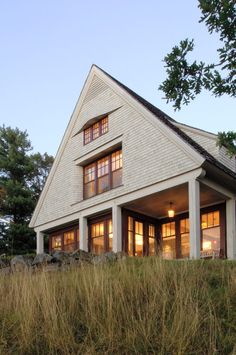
(142, 227)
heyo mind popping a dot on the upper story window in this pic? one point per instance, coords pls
(96, 130)
(103, 174)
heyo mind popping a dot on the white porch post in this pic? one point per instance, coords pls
(83, 234)
(40, 242)
(117, 228)
(231, 228)
(194, 218)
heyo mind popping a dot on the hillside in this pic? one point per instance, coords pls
(142, 306)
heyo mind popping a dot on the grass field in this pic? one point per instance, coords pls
(136, 306)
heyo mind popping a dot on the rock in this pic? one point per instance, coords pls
(20, 263)
(2, 264)
(82, 256)
(104, 258)
(61, 257)
(42, 259)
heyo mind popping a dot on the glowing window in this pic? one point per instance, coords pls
(103, 175)
(168, 240)
(96, 130)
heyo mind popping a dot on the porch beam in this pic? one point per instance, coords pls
(83, 233)
(219, 188)
(117, 228)
(231, 228)
(40, 242)
(194, 218)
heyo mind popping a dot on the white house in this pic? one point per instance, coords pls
(128, 177)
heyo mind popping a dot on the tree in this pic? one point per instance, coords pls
(186, 80)
(22, 176)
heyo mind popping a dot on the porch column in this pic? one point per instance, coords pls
(40, 242)
(83, 233)
(194, 218)
(117, 228)
(231, 228)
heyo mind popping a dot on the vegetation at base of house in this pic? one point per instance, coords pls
(143, 305)
(22, 177)
(186, 80)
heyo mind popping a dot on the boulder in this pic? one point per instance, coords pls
(42, 259)
(82, 256)
(2, 264)
(105, 258)
(20, 263)
(61, 257)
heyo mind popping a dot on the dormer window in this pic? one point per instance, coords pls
(96, 130)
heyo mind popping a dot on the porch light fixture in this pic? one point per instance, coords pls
(171, 212)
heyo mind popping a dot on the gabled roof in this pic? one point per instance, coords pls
(170, 122)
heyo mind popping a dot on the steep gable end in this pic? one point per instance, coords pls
(63, 192)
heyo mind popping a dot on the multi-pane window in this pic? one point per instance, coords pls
(117, 164)
(168, 240)
(101, 237)
(141, 237)
(151, 239)
(103, 175)
(104, 125)
(87, 135)
(56, 242)
(184, 237)
(67, 240)
(96, 130)
(211, 231)
(89, 180)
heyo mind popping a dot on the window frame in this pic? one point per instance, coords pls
(101, 131)
(97, 178)
(60, 233)
(105, 219)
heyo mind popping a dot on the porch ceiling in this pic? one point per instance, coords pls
(156, 205)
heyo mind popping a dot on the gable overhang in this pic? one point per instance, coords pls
(220, 177)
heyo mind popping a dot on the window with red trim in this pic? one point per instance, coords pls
(103, 175)
(96, 130)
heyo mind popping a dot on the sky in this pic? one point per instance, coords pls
(47, 48)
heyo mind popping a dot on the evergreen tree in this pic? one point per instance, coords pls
(20, 186)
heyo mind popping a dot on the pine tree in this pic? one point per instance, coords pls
(20, 186)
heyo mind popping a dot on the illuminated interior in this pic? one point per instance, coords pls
(210, 223)
(101, 237)
(184, 237)
(168, 240)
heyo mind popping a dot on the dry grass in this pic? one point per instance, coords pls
(137, 306)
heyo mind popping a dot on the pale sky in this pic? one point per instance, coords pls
(48, 47)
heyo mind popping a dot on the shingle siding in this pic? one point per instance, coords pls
(209, 143)
(149, 156)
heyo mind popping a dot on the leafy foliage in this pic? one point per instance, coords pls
(228, 140)
(185, 80)
(22, 176)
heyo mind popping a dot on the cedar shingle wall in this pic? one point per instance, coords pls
(149, 156)
(210, 145)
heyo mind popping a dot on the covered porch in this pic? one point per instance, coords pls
(202, 224)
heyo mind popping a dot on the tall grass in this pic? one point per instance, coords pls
(137, 306)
